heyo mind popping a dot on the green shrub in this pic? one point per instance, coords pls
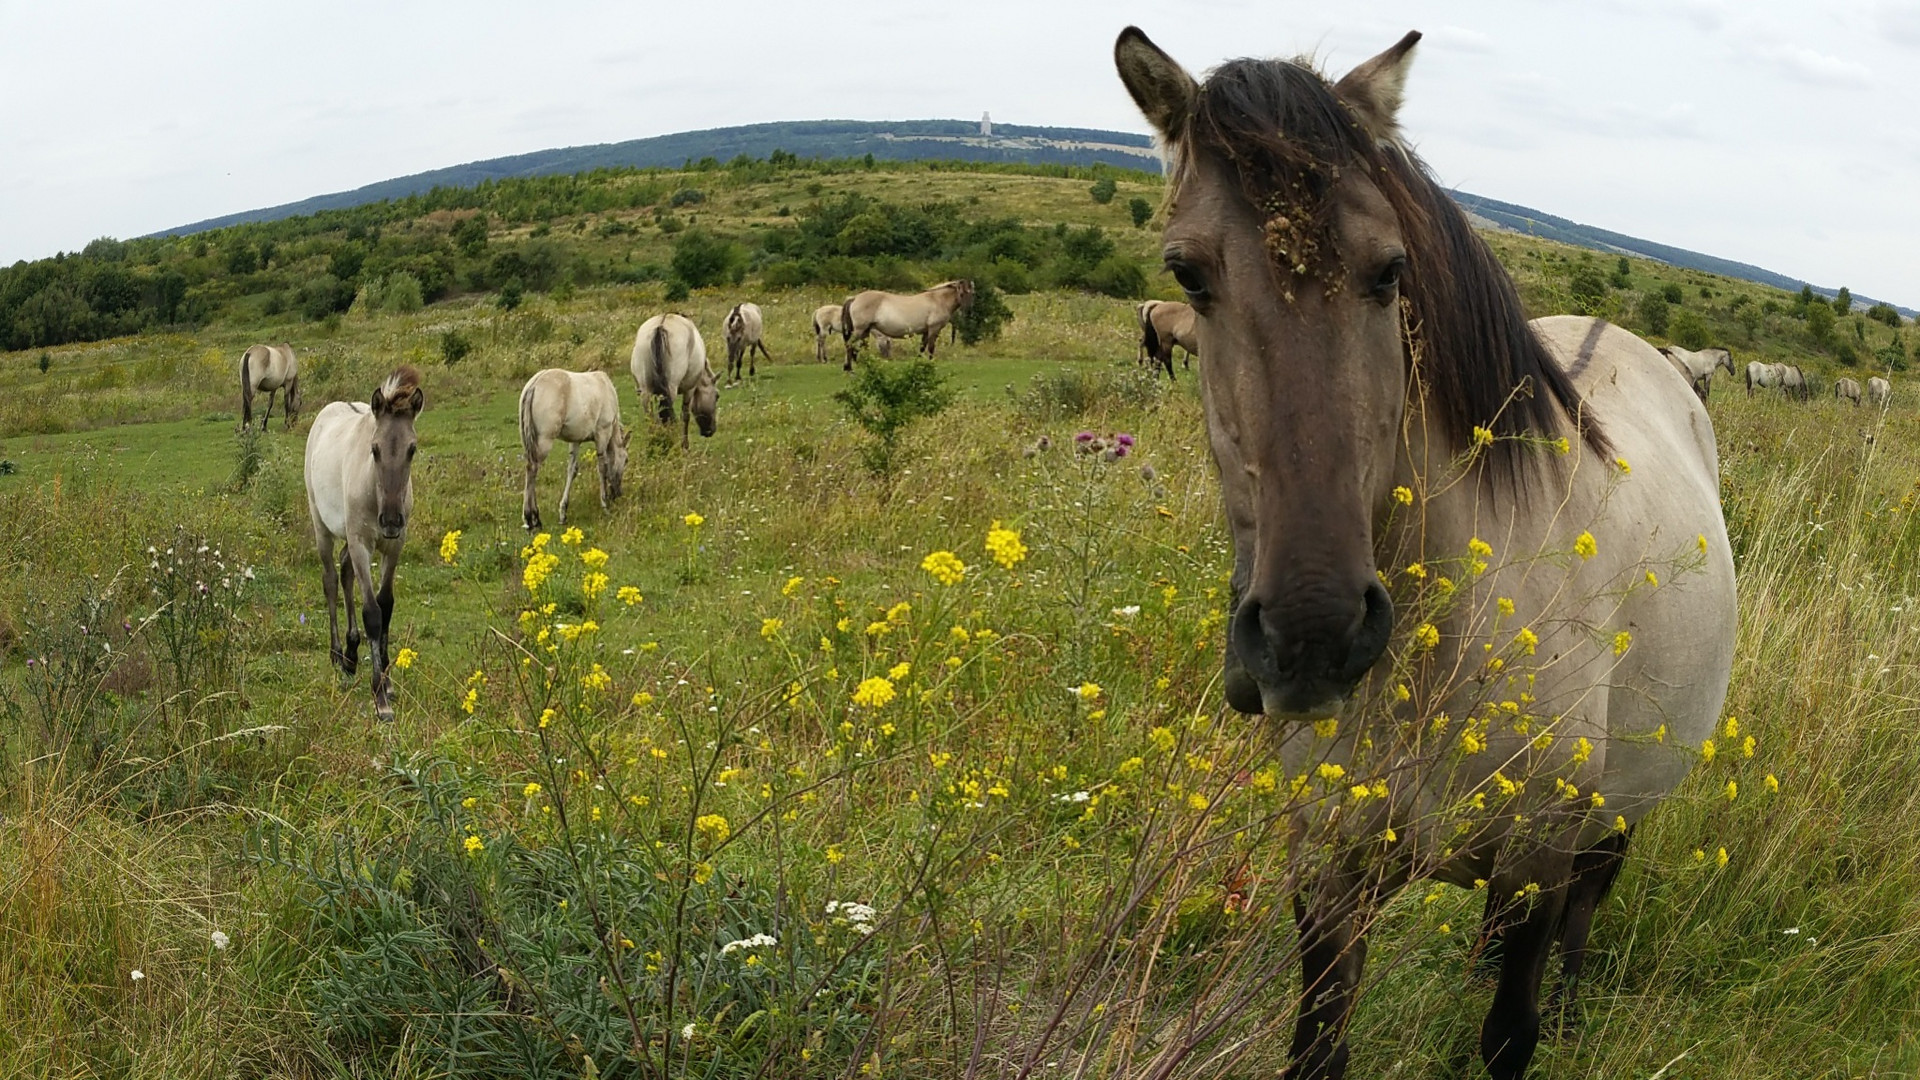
(1141, 211)
(1588, 289)
(983, 319)
(1118, 276)
(511, 293)
(1845, 353)
(1674, 294)
(454, 347)
(1689, 330)
(1103, 190)
(702, 260)
(1820, 320)
(1072, 392)
(1651, 313)
(886, 398)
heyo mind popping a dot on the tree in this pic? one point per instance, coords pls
(1806, 296)
(1103, 190)
(1673, 293)
(701, 259)
(1843, 302)
(886, 398)
(1651, 312)
(982, 320)
(1689, 330)
(1141, 209)
(470, 236)
(1749, 317)
(1589, 289)
(1622, 274)
(510, 294)
(1820, 324)
(1885, 313)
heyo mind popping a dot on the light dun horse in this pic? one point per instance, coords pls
(1790, 380)
(826, 323)
(744, 330)
(897, 316)
(1879, 391)
(571, 407)
(1847, 390)
(1166, 324)
(669, 360)
(359, 476)
(266, 369)
(1359, 337)
(1698, 367)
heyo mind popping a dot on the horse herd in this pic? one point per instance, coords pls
(1357, 330)
(1698, 368)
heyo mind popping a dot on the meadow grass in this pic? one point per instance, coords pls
(1067, 852)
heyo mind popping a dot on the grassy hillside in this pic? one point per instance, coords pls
(1059, 847)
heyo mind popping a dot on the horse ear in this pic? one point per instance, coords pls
(379, 400)
(1159, 85)
(418, 401)
(1375, 89)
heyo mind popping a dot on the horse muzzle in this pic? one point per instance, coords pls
(1293, 662)
(392, 526)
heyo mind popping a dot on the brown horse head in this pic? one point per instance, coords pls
(613, 461)
(1311, 245)
(395, 404)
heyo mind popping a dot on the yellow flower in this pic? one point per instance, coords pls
(1584, 545)
(1088, 691)
(1652, 579)
(1327, 727)
(769, 628)
(1773, 783)
(1720, 859)
(1702, 540)
(792, 586)
(546, 717)
(572, 536)
(1416, 570)
(898, 612)
(1527, 641)
(959, 635)
(1197, 801)
(834, 854)
(1619, 823)
(945, 566)
(1505, 604)
(593, 558)
(899, 671)
(1598, 800)
(532, 789)
(1624, 467)
(474, 846)
(472, 699)
(1401, 693)
(1561, 446)
(1482, 436)
(703, 873)
(1706, 751)
(595, 814)
(470, 802)
(404, 659)
(597, 679)
(873, 693)
(1161, 738)
(593, 584)
(539, 567)
(1330, 772)
(1733, 790)
(1403, 495)
(1426, 636)
(875, 629)
(1732, 727)
(713, 827)
(450, 547)
(642, 699)
(1005, 546)
(1622, 641)
(629, 595)
(694, 520)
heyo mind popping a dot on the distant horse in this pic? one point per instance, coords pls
(744, 330)
(571, 407)
(1359, 336)
(1879, 391)
(1169, 323)
(1794, 382)
(1698, 367)
(1791, 380)
(669, 360)
(1847, 390)
(925, 313)
(359, 476)
(269, 368)
(1141, 313)
(826, 322)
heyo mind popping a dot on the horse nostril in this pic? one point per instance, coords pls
(1371, 636)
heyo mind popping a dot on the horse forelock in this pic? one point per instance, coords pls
(1287, 137)
(398, 390)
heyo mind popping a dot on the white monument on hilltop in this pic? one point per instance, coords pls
(986, 126)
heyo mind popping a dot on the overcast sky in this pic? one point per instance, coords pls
(1780, 134)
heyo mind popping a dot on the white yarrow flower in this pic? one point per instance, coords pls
(221, 941)
(1127, 612)
(755, 942)
(687, 1032)
(138, 974)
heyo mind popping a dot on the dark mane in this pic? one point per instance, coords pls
(399, 387)
(1289, 136)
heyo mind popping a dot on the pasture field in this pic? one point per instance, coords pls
(779, 795)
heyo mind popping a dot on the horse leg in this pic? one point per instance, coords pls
(853, 348)
(686, 419)
(566, 491)
(374, 609)
(330, 585)
(1332, 954)
(1512, 1027)
(930, 340)
(1594, 871)
(530, 502)
(350, 660)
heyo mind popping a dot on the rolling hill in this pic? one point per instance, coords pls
(909, 140)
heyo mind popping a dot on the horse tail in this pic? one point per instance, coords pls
(657, 371)
(846, 320)
(246, 387)
(1150, 339)
(527, 434)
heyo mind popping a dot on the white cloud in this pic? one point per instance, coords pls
(1816, 68)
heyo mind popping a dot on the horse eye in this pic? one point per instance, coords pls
(1190, 280)
(1388, 283)
(376, 452)
(410, 451)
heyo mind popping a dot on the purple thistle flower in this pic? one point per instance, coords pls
(1085, 436)
(1123, 439)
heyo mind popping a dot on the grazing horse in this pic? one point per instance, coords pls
(1879, 391)
(670, 359)
(571, 407)
(896, 316)
(1847, 389)
(1698, 367)
(1376, 398)
(1170, 323)
(826, 323)
(359, 477)
(1794, 383)
(269, 368)
(744, 329)
(1791, 380)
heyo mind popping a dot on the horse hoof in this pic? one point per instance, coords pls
(383, 713)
